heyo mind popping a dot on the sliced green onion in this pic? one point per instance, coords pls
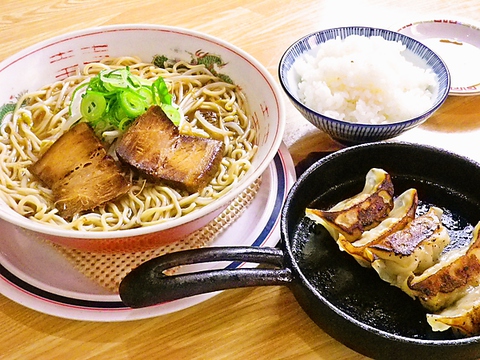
(172, 113)
(93, 106)
(113, 99)
(133, 103)
(120, 120)
(146, 93)
(160, 92)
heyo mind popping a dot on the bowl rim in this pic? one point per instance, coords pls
(9, 215)
(442, 96)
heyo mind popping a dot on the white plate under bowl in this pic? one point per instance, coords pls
(60, 290)
(458, 44)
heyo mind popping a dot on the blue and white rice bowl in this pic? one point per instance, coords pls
(353, 132)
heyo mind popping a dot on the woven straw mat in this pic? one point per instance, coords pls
(109, 269)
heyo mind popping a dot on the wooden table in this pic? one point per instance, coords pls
(253, 323)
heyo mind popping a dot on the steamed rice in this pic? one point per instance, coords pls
(364, 80)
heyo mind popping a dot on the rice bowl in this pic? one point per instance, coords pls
(348, 132)
(365, 80)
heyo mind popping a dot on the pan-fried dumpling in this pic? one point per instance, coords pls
(463, 316)
(452, 277)
(353, 216)
(402, 213)
(411, 250)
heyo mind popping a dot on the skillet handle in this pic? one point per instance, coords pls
(148, 285)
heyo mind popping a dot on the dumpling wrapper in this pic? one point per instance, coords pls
(403, 212)
(463, 317)
(455, 274)
(411, 250)
(353, 216)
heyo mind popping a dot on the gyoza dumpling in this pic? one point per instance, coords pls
(353, 216)
(451, 278)
(411, 250)
(463, 316)
(402, 213)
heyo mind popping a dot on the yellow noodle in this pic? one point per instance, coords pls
(44, 116)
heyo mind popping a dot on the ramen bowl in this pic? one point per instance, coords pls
(353, 132)
(57, 58)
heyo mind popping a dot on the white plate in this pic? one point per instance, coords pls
(35, 275)
(458, 44)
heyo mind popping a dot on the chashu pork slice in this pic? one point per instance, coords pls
(79, 172)
(154, 146)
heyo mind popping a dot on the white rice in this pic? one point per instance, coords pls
(364, 80)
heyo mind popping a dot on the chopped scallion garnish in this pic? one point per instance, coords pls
(116, 97)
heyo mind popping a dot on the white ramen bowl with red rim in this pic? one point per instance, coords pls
(59, 57)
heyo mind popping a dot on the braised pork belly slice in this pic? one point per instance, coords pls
(79, 172)
(154, 146)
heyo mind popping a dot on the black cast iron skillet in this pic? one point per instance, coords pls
(347, 301)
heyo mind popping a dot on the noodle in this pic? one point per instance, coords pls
(212, 108)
